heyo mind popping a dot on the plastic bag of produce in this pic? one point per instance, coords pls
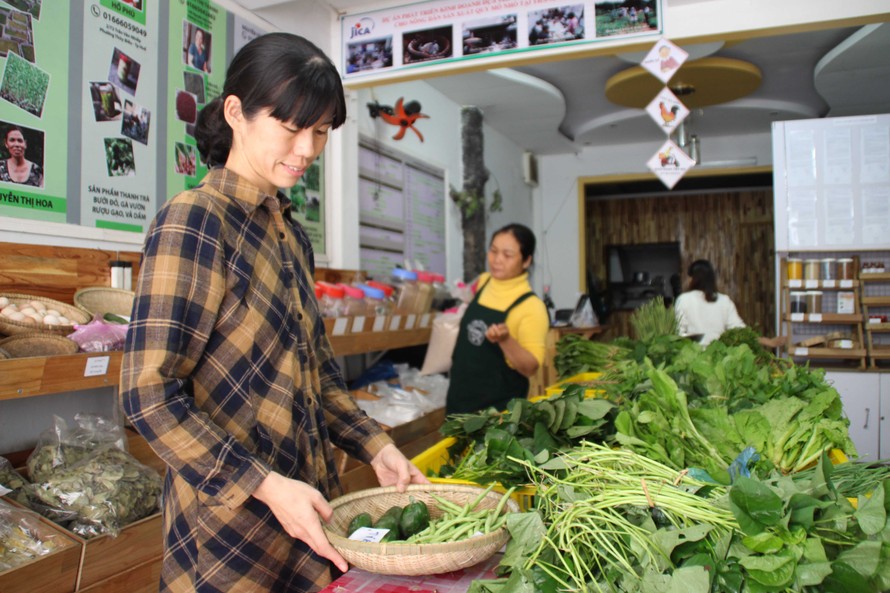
(22, 537)
(99, 336)
(59, 445)
(12, 483)
(443, 337)
(107, 490)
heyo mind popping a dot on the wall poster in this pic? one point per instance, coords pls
(34, 40)
(196, 72)
(435, 32)
(119, 132)
(308, 200)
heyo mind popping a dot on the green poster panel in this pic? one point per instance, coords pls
(34, 109)
(196, 72)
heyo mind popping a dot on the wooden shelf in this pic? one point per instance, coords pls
(868, 277)
(348, 344)
(821, 284)
(844, 353)
(877, 327)
(882, 352)
(876, 301)
(829, 318)
(43, 375)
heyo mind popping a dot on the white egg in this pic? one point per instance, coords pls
(3, 302)
(17, 316)
(64, 320)
(52, 312)
(38, 306)
(28, 310)
(32, 319)
(51, 319)
(9, 309)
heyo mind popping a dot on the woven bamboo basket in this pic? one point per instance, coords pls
(99, 300)
(9, 327)
(4, 354)
(36, 344)
(401, 558)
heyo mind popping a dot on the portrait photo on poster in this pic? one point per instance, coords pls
(107, 104)
(17, 36)
(124, 71)
(135, 122)
(24, 85)
(119, 157)
(196, 44)
(21, 154)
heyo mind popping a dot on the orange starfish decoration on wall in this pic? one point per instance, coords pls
(404, 115)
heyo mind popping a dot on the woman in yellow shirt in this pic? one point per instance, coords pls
(503, 330)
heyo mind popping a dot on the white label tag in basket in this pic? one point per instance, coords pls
(369, 535)
(96, 366)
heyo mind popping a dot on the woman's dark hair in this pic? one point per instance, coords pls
(703, 278)
(524, 236)
(279, 71)
(13, 128)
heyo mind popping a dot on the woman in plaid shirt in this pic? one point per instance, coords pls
(227, 370)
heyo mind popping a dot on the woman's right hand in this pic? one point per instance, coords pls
(299, 508)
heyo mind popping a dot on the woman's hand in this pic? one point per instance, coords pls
(298, 506)
(497, 333)
(394, 469)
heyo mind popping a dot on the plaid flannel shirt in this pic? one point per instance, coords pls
(228, 374)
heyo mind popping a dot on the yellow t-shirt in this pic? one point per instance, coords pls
(528, 322)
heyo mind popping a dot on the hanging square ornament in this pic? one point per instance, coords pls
(667, 110)
(670, 164)
(664, 59)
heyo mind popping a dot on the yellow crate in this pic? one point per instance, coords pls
(559, 387)
(432, 460)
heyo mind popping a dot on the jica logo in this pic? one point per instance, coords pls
(362, 28)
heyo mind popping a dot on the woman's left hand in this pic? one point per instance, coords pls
(394, 469)
(497, 332)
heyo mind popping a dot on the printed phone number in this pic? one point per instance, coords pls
(125, 24)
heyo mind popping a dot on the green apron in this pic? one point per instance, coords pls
(480, 376)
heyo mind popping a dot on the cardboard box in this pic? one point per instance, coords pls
(55, 572)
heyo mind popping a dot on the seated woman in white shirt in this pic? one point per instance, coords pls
(703, 310)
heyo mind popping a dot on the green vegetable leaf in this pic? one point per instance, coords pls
(773, 571)
(755, 505)
(871, 514)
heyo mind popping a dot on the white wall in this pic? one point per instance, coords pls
(442, 148)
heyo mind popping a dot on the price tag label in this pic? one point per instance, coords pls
(379, 323)
(811, 284)
(875, 320)
(369, 535)
(816, 317)
(410, 320)
(829, 283)
(96, 366)
(797, 317)
(394, 323)
(340, 325)
(358, 324)
(425, 320)
(795, 283)
(801, 351)
(846, 284)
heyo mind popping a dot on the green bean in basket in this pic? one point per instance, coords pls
(462, 522)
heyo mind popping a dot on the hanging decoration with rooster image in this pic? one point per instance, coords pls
(669, 163)
(403, 115)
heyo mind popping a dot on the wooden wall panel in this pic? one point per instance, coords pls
(732, 229)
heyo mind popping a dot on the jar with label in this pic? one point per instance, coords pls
(425, 291)
(353, 300)
(811, 269)
(829, 268)
(405, 284)
(332, 301)
(798, 302)
(845, 269)
(375, 301)
(814, 301)
(389, 294)
(794, 269)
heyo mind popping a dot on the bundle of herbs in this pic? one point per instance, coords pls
(576, 354)
(615, 521)
(487, 443)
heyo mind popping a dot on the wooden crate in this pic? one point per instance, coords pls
(54, 573)
(143, 578)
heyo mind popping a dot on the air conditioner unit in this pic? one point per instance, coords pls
(530, 168)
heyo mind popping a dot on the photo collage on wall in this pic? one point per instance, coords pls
(114, 100)
(436, 31)
(25, 87)
(196, 50)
